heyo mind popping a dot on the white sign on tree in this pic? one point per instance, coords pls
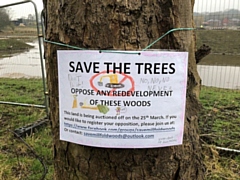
(122, 100)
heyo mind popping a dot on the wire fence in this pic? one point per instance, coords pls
(218, 26)
(23, 105)
(21, 66)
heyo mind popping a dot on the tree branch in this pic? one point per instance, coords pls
(202, 52)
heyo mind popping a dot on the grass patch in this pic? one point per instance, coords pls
(220, 126)
(21, 90)
(16, 160)
(220, 41)
(13, 44)
(15, 41)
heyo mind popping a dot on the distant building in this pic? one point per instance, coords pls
(214, 22)
(18, 22)
(24, 22)
(231, 22)
(225, 22)
(234, 22)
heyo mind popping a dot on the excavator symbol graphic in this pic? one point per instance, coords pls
(114, 83)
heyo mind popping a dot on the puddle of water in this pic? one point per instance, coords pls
(24, 65)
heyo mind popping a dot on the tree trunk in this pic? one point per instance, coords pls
(123, 25)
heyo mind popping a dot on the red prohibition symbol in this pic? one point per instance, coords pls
(114, 82)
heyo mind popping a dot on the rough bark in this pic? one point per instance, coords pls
(123, 25)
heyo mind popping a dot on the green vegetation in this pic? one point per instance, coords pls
(221, 41)
(22, 90)
(220, 126)
(11, 46)
(17, 161)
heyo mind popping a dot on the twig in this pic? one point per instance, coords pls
(220, 148)
(227, 149)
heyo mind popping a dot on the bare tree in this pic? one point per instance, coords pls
(123, 25)
(5, 19)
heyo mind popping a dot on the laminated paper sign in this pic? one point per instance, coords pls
(123, 99)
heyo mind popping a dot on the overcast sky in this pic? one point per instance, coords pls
(23, 10)
(215, 5)
(19, 11)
